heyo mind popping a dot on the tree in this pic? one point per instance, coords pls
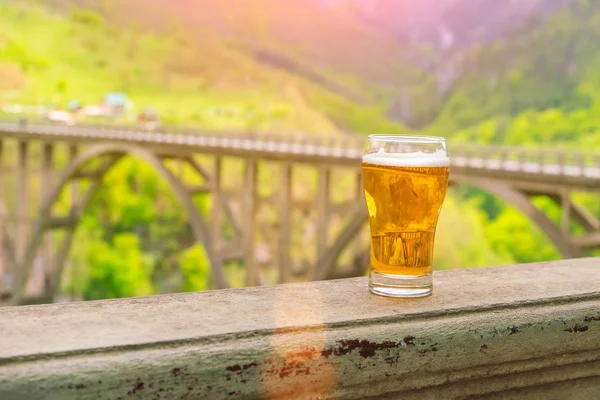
(89, 18)
(195, 269)
(512, 233)
(119, 269)
(461, 240)
(62, 85)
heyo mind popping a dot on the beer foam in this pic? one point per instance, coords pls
(412, 159)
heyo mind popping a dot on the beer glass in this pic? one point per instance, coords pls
(405, 179)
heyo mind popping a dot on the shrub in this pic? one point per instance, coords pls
(88, 17)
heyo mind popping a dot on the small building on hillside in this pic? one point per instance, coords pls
(60, 117)
(149, 119)
(95, 111)
(116, 103)
(74, 106)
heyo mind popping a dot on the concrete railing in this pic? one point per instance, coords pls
(341, 147)
(524, 331)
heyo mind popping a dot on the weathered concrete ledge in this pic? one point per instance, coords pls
(506, 332)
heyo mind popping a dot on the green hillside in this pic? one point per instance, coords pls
(208, 82)
(333, 46)
(362, 68)
(537, 84)
(300, 67)
(548, 61)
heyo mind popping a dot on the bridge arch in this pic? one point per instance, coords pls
(110, 154)
(326, 264)
(522, 202)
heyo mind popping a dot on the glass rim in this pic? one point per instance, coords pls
(421, 139)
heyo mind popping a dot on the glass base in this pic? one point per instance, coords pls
(404, 286)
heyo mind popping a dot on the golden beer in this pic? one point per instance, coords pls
(404, 205)
(404, 197)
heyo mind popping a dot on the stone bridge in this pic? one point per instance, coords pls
(311, 186)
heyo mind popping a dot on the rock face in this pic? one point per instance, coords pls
(451, 24)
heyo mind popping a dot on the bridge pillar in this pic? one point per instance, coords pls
(73, 151)
(216, 220)
(285, 225)
(323, 214)
(566, 210)
(250, 203)
(3, 272)
(47, 176)
(21, 199)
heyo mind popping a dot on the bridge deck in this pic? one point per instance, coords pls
(578, 170)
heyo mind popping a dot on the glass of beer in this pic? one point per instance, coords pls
(405, 179)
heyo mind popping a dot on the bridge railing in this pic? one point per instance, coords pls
(542, 160)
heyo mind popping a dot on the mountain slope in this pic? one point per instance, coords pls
(355, 64)
(538, 66)
(65, 52)
(329, 38)
(452, 24)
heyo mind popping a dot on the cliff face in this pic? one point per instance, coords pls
(451, 24)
